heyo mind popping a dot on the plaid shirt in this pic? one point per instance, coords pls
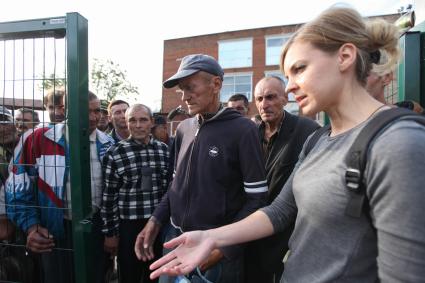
(127, 194)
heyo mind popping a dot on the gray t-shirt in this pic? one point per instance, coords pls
(329, 246)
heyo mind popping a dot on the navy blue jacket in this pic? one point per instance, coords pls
(220, 173)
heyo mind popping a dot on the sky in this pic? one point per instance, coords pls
(132, 33)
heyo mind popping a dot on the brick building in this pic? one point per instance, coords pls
(245, 55)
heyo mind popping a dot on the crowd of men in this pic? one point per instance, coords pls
(148, 186)
(35, 203)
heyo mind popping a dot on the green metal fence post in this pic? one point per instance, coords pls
(421, 28)
(77, 49)
(409, 67)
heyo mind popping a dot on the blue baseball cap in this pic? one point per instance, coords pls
(192, 64)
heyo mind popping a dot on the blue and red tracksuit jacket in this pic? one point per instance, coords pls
(37, 189)
(36, 192)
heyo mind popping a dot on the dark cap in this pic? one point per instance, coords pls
(191, 64)
(104, 105)
(6, 113)
(159, 120)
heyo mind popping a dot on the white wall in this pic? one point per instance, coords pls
(419, 6)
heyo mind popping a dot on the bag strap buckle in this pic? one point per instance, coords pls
(353, 179)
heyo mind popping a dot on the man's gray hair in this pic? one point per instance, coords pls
(139, 106)
(24, 110)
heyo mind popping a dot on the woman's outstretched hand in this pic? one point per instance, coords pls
(192, 249)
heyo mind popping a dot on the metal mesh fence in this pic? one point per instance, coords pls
(391, 91)
(41, 147)
(31, 69)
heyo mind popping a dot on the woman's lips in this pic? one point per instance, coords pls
(300, 99)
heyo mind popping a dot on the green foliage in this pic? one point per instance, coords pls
(51, 81)
(109, 81)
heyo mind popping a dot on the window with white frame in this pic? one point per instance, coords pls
(274, 47)
(236, 83)
(235, 53)
(292, 106)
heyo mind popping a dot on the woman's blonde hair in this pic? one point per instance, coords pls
(376, 41)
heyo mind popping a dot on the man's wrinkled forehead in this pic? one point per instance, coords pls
(269, 84)
(194, 79)
(119, 107)
(54, 101)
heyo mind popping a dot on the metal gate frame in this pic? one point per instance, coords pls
(411, 70)
(421, 28)
(74, 28)
(408, 76)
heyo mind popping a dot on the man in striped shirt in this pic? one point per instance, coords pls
(136, 173)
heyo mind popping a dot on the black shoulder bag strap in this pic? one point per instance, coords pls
(314, 138)
(357, 156)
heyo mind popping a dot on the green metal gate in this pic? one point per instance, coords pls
(19, 64)
(411, 70)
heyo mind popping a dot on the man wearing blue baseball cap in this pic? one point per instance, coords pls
(219, 173)
(193, 64)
